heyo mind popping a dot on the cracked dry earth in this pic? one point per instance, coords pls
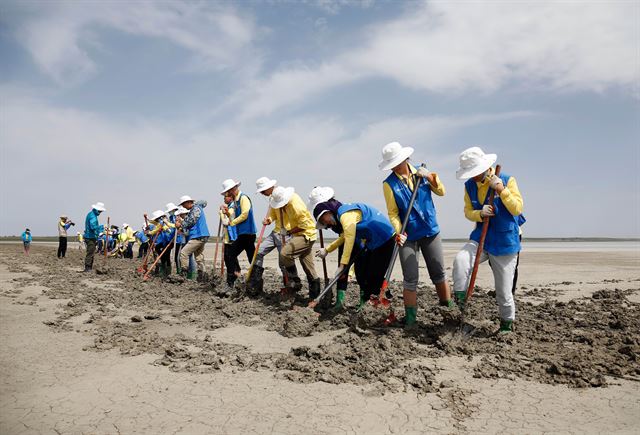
(109, 353)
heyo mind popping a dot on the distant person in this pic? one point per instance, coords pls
(80, 241)
(181, 240)
(130, 240)
(91, 233)
(63, 225)
(502, 243)
(143, 241)
(26, 240)
(196, 224)
(229, 236)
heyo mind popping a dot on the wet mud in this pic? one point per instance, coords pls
(582, 343)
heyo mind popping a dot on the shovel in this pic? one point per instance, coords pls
(255, 252)
(175, 236)
(476, 263)
(143, 266)
(285, 277)
(330, 284)
(324, 261)
(382, 300)
(215, 255)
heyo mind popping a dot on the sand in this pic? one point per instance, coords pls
(108, 353)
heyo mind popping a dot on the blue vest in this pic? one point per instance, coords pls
(141, 236)
(422, 220)
(503, 235)
(200, 229)
(374, 226)
(233, 233)
(249, 225)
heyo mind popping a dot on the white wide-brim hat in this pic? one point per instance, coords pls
(181, 211)
(319, 194)
(264, 183)
(125, 225)
(281, 196)
(228, 184)
(473, 161)
(393, 154)
(185, 198)
(171, 207)
(99, 206)
(156, 215)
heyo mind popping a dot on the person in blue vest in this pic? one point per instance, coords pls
(502, 243)
(181, 240)
(143, 241)
(26, 240)
(229, 236)
(195, 223)
(243, 222)
(165, 231)
(422, 233)
(91, 233)
(368, 239)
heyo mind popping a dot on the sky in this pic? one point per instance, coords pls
(135, 104)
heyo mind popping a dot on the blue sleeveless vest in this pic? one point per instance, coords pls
(422, 220)
(374, 226)
(503, 235)
(249, 225)
(200, 229)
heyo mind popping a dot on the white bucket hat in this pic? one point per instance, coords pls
(99, 206)
(319, 194)
(181, 211)
(185, 198)
(473, 161)
(393, 154)
(156, 215)
(125, 225)
(281, 196)
(171, 207)
(228, 184)
(264, 183)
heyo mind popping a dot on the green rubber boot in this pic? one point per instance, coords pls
(191, 275)
(449, 303)
(506, 327)
(410, 314)
(340, 300)
(460, 298)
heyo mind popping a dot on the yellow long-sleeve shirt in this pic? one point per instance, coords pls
(245, 207)
(390, 199)
(296, 215)
(349, 221)
(129, 232)
(510, 197)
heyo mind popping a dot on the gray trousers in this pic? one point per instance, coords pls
(268, 244)
(432, 253)
(91, 250)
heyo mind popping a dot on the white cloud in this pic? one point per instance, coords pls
(58, 34)
(453, 47)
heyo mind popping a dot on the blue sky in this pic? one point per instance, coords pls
(135, 104)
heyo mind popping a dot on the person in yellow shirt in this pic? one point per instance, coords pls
(80, 241)
(229, 236)
(502, 243)
(368, 239)
(130, 240)
(289, 211)
(422, 233)
(265, 187)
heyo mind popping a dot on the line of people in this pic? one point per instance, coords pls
(366, 236)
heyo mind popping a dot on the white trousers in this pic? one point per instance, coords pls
(504, 268)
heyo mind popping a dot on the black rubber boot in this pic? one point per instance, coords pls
(255, 285)
(294, 285)
(314, 289)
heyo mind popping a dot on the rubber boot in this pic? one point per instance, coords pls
(410, 314)
(255, 285)
(326, 303)
(362, 300)
(460, 298)
(314, 290)
(448, 303)
(506, 327)
(167, 270)
(340, 297)
(294, 285)
(191, 275)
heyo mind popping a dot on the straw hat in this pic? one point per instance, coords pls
(264, 183)
(185, 198)
(473, 161)
(156, 215)
(393, 154)
(319, 194)
(281, 196)
(228, 184)
(99, 206)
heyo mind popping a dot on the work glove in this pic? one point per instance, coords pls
(423, 172)
(401, 239)
(225, 220)
(487, 211)
(266, 221)
(284, 232)
(495, 183)
(321, 253)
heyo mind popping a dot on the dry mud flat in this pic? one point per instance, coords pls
(590, 345)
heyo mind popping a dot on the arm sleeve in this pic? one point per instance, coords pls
(469, 212)
(349, 221)
(511, 197)
(438, 188)
(336, 243)
(245, 207)
(392, 207)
